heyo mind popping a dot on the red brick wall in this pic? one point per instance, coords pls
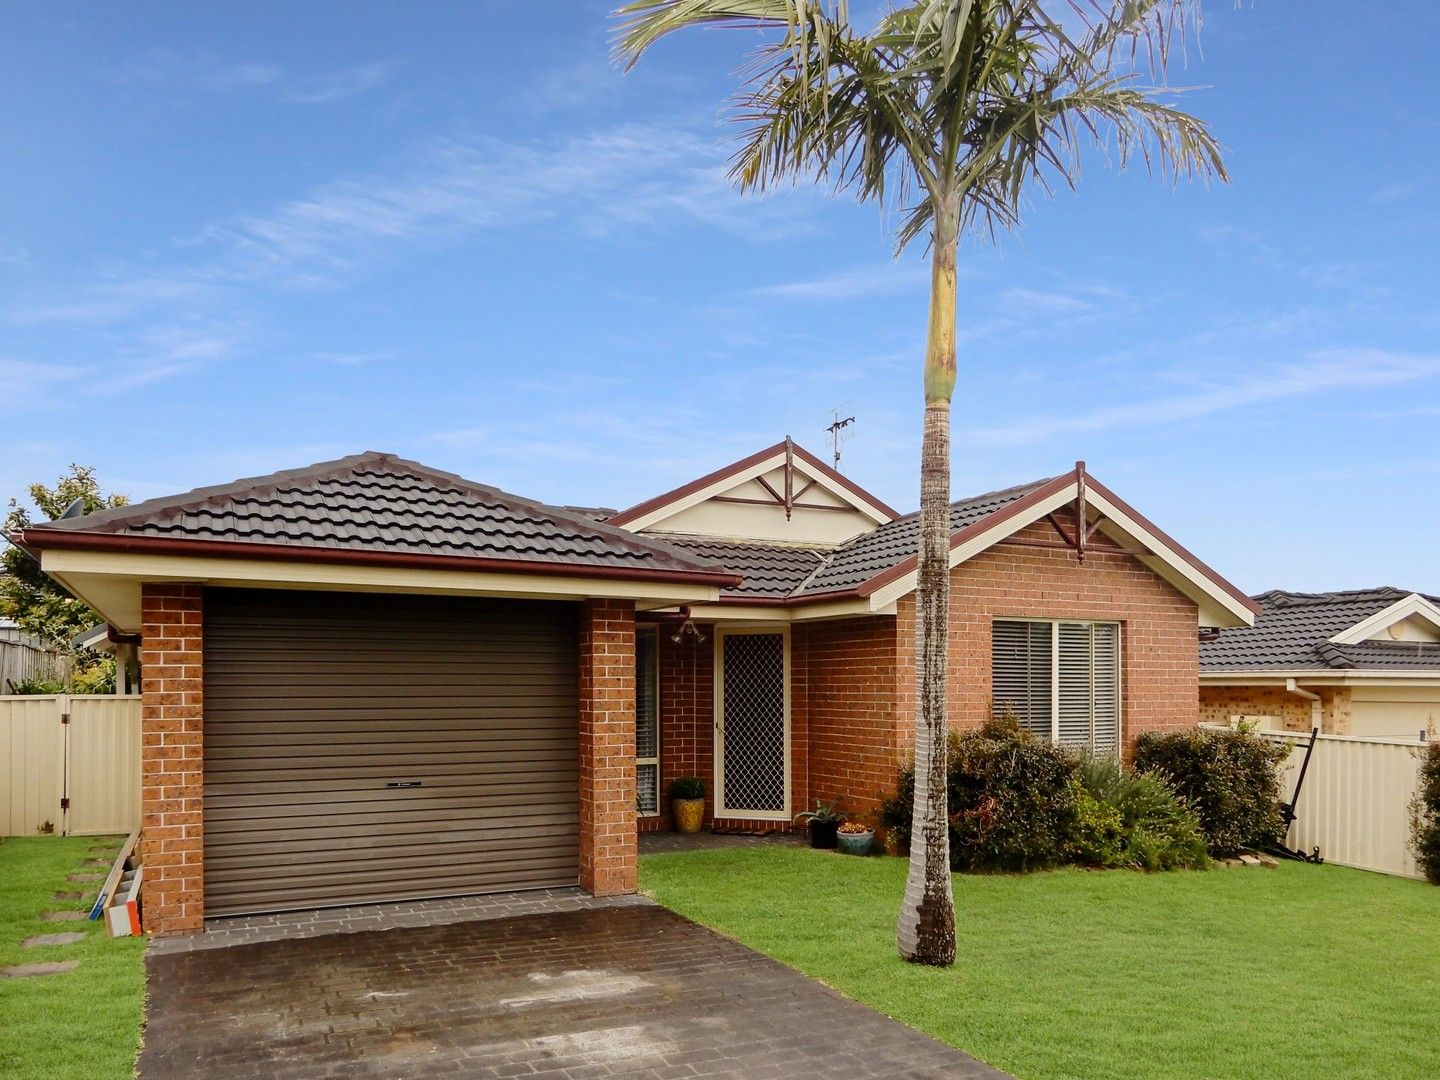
(687, 717)
(172, 837)
(607, 747)
(854, 745)
(1159, 646)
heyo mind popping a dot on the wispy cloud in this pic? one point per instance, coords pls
(1324, 371)
(599, 182)
(342, 84)
(207, 72)
(860, 282)
(1398, 192)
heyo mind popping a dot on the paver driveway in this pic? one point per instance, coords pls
(627, 991)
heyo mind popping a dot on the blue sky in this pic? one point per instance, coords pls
(242, 237)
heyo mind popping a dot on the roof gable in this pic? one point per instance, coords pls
(1412, 618)
(782, 493)
(375, 505)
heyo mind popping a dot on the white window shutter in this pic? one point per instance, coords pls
(1021, 672)
(1106, 693)
(1076, 714)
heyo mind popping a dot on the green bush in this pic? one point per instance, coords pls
(1012, 805)
(1425, 815)
(1231, 778)
(1133, 819)
(687, 787)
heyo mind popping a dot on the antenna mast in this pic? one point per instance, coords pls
(836, 431)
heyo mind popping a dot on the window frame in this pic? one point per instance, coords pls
(1055, 622)
(653, 633)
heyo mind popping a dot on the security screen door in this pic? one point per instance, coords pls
(752, 725)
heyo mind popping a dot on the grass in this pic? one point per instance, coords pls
(84, 1023)
(1297, 972)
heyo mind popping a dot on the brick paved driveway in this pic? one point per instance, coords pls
(625, 991)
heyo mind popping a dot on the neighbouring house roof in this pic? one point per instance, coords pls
(1296, 632)
(375, 506)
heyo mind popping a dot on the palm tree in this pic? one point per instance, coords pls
(946, 111)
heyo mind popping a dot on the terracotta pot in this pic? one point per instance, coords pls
(688, 814)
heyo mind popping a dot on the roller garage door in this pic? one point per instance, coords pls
(362, 748)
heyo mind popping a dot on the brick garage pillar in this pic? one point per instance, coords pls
(172, 758)
(607, 748)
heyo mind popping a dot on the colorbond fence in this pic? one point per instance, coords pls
(72, 761)
(1355, 803)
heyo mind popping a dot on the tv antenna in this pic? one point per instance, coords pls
(837, 434)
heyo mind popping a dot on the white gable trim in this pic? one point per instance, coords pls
(1409, 607)
(733, 480)
(1218, 607)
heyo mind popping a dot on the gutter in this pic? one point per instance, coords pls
(1316, 708)
(32, 540)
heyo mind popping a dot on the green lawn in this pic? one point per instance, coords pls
(84, 1024)
(1303, 971)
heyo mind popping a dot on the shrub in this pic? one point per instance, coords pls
(1231, 778)
(1133, 819)
(1012, 804)
(1425, 814)
(687, 787)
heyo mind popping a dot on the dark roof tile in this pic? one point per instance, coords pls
(1294, 632)
(379, 503)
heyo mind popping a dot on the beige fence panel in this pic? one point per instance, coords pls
(32, 777)
(1355, 804)
(94, 761)
(103, 760)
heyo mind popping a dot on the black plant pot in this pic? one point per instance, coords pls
(824, 834)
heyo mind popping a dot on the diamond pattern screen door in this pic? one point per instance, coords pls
(751, 725)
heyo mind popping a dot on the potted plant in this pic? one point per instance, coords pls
(855, 838)
(687, 803)
(824, 822)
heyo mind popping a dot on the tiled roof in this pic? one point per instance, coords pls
(1294, 632)
(874, 552)
(773, 570)
(378, 503)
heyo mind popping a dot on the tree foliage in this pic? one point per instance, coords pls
(30, 597)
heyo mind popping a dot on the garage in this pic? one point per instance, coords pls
(364, 747)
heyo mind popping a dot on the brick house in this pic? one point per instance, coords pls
(1362, 662)
(370, 680)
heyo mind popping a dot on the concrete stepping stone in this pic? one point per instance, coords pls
(105, 863)
(65, 916)
(70, 894)
(27, 971)
(84, 877)
(69, 938)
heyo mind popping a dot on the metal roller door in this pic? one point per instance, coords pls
(363, 748)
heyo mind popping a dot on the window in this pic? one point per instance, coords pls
(1062, 679)
(647, 721)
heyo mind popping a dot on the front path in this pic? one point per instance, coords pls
(631, 991)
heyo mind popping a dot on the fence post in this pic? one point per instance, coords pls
(62, 703)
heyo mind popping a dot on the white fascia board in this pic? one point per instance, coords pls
(786, 613)
(733, 480)
(1409, 606)
(1176, 569)
(889, 594)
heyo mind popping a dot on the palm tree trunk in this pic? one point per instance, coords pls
(926, 930)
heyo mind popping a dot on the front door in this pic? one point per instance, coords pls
(752, 724)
